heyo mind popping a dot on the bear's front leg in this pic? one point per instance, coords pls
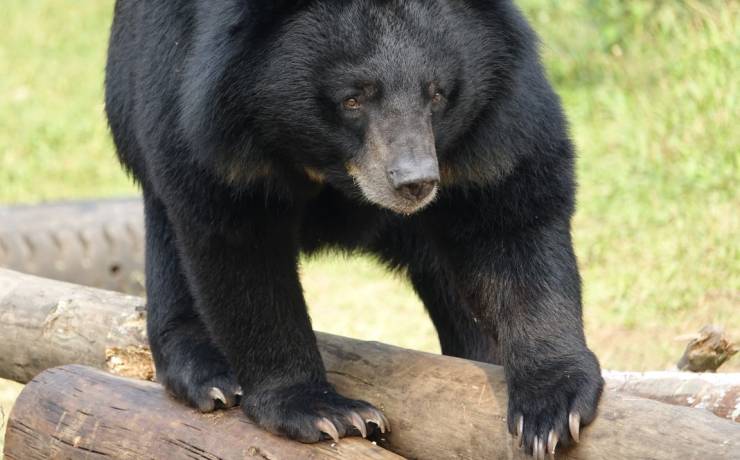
(523, 286)
(243, 275)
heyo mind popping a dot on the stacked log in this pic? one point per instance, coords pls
(439, 407)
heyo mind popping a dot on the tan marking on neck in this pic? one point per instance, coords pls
(315, 175)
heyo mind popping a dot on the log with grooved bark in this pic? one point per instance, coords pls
(439, 407)
(80, 412)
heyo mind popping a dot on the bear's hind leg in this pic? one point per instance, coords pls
(187, 362)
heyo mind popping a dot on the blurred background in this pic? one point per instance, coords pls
(653, 95)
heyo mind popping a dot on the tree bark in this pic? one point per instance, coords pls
(46, 323)
(80, 412)
(439, 407)
(717, 393)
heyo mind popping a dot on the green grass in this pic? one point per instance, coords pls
(652, 93)
(654, 101)
(53, 139)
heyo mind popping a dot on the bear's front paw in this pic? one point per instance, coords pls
(548, 406)
(311, 412)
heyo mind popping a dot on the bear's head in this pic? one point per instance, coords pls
(371, 97)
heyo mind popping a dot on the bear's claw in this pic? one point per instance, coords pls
(574, 422)
(326, 427)
(217, 395)
(377, 417)
(552, 443)
(520, 432)
(538, 448)
(358, 423)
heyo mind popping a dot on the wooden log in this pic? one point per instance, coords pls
(458, 407)
(45, 323)
(717, 393)
(80, 412)
(439, 407)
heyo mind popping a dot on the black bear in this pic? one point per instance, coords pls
(421, 131)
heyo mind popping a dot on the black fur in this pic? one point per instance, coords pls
(227, 113)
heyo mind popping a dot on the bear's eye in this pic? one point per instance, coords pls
(435, 93)
(351, 103)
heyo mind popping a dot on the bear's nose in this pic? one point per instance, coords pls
(414, 178)
(417, 191)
